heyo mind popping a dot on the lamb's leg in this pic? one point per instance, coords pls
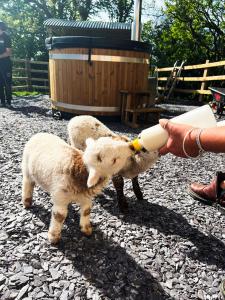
(85, 210)
(118, 183)
(136, 188)
(27, 191)
(59, 213)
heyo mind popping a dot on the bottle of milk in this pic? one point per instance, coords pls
(155, 137)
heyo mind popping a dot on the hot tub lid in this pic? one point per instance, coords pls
(95, 42)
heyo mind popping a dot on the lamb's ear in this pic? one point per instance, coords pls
(125, 138)
(93, 178)
(89, 141)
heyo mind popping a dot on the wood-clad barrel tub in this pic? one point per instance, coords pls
(87, 74)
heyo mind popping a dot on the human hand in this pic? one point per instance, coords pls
(174, 144)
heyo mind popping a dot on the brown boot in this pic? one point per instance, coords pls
(209, 194)
(222, 289)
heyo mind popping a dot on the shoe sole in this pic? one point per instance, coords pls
(206, 201)
(199, 198)
(222, 289)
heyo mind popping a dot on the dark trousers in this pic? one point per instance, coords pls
(5, 81)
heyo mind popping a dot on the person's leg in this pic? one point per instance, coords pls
(8, 82)
(2, 93)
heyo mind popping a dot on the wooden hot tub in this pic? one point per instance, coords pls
(87, 73)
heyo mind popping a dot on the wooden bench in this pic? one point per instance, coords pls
(135, 103)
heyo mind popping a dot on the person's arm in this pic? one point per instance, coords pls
(8, 47)
(7, 53)
(211, 139)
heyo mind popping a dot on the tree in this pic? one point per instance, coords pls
(189, 30)
(25, 19)
(203, 21)
(118, 10)
(63, 9)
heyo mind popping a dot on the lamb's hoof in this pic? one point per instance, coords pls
(27, 202)
(123, 207)
(138, 193)
(87, 229)
(53, 237)
(140, 197)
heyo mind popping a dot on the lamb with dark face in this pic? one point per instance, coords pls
(82, 127)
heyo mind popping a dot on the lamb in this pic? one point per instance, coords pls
(70, 175)
(81, 127)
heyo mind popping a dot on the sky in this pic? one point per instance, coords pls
(158, 5)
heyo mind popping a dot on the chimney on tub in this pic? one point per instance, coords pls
(136, 24)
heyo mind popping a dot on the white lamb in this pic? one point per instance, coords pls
(70, 175)
(82, 127)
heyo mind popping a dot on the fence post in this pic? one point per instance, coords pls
(28, 74)
(48, 83)
(203, 85)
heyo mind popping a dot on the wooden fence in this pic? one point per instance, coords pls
(30, 75)
(203, 80)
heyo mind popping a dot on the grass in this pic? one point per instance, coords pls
(26, 93)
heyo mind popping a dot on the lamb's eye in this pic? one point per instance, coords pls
(114, 161)
(99, 158)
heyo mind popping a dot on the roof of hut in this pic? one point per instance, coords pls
(60, 27)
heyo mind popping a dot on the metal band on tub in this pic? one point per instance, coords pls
(85, 107)
(108, 58)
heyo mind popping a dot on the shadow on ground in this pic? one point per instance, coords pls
(29, 106)
(208, 249)
(103, 262)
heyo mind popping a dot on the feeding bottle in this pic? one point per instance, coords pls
(155, 137)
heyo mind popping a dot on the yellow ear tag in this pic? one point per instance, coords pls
(137, 145)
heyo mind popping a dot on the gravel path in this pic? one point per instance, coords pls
(167, 247)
